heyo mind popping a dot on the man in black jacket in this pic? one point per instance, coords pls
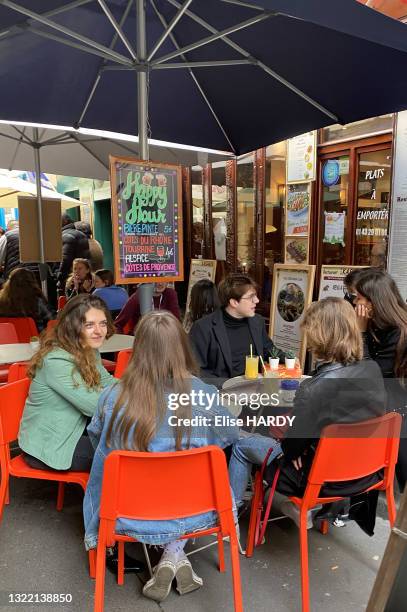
(222, 339)
(74, 244)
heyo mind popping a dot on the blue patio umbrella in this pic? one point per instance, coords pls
(226, 74)
(231, 75)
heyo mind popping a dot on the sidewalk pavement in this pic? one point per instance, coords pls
(41, 550)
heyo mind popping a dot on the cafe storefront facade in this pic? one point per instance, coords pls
(234, 210)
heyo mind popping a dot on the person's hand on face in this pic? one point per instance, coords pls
(364, 311)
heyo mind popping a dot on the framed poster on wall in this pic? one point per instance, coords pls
(292, 293)
(332, 277)
(200, 269)
(301, 158)
(298, 208)
(147, 221)
(296, 250)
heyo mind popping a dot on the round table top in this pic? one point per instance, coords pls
(12, 353)
(243, 387)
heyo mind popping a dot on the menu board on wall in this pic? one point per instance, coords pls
(147, 221)
(292, 293)
(301, 158)
(397, 258)
(332, 277)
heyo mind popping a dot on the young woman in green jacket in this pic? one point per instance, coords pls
(67, 379)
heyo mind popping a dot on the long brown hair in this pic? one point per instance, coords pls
(21, 294)
(332, 331)
(388, 310)
(68, 335)
(162, 361)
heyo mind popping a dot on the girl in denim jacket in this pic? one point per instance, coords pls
(138, 414)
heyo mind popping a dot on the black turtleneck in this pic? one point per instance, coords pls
(240, 338)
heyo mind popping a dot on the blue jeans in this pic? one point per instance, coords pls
(249, 450)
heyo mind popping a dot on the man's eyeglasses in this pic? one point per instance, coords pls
(252, 297)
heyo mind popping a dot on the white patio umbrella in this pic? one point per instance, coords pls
(81, 153)
(12, 187)
(85, 153)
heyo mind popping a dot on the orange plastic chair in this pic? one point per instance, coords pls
(123, 358)
(202, 485)
(62, 300)
(17, 371)
(8, 334)
(345, 452)
(12, 401)
(25, 327)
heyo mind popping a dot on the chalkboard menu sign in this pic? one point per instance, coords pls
(147, 221)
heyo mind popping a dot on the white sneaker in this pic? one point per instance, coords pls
(292, 511)
(159, 586)
(187, 580)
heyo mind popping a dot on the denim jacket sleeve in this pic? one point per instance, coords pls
(105, 404)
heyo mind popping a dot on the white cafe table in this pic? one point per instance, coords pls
(12, 353)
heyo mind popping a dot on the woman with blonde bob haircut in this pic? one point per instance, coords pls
(345, 388)
(138, 413)
(332, 332)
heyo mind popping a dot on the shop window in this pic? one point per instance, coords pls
(275, 178)
(197, 213)
(245, 216)
(335, 195)
(374, 179)
(358, 129)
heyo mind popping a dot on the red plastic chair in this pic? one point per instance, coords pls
(8, 335)
(17, 371)
(12, 401)
(202, 485)
(25, 327)
(62, 300)
(345, 452)
(123, 359)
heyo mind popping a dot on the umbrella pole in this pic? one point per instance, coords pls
(145, 289)
(41, 265)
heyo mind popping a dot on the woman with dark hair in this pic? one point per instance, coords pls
(349, 284)
(204, 300)
(382, 319)
(67, 379)
(136, 414)
(22, 297)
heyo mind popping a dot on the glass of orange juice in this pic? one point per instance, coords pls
(252, 367)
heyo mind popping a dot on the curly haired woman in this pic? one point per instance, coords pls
(67, 379)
